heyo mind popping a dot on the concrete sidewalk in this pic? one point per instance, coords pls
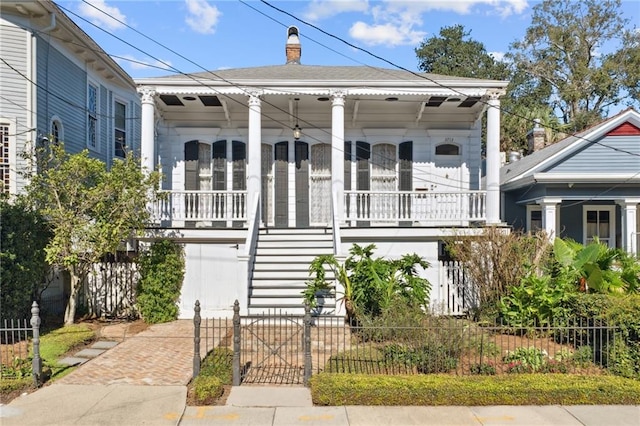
(119, 404)
(105, 405)
(279, 406)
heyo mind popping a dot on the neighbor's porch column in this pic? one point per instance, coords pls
(147, 143)
(550, 215)
(493, 160)
(253, 157)
(337, 151)
(629, 208)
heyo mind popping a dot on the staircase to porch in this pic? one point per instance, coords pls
(281, 269)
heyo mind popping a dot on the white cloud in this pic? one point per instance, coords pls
(94, 12)
(144, 63)
(498, 56)
(386, 34)
(202, 17)
(323, 9)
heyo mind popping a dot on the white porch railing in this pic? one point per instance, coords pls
(415, 206)
(200, 206)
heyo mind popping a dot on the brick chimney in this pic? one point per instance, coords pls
(536, 138)
(293, 49)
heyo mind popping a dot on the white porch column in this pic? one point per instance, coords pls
(550, 215)
(337, 151)
(253, 158)
(629, 208)
(492, 177)
(147, 142)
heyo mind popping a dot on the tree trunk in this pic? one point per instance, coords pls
(70, 312)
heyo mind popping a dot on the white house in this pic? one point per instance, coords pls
(268, 167)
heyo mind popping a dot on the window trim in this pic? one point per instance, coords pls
(93, 115)
(448, 143)
(538, 207)
(124, 103)
(612, 221)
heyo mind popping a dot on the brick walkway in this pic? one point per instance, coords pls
(160, 355)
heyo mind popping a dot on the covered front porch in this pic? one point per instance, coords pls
(228, 209)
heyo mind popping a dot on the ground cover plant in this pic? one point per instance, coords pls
(434, 389)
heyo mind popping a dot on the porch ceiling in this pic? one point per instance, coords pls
(314, 111)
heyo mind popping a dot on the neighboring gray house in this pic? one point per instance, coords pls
(57, 83)
(583, 187)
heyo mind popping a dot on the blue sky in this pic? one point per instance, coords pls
(216, 35)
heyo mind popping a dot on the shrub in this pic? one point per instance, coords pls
(23, 237)
(216, 371)
(529, 358)
(161, 275)
(483, 368)
(205, 387)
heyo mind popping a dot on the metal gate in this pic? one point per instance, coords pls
(272, 348)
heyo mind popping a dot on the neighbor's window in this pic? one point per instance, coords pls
(4, 158)
(120, 129)
(56, 130)
(599, 222)
(92, 119)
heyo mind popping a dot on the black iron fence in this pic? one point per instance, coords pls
(20, 348)
(277, 348)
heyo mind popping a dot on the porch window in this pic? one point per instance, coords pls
(534, 219)
(447, 149)
(599, 222)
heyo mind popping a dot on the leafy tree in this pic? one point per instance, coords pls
(23, 237)
(454, 53)
(561, 51)
(90, 209)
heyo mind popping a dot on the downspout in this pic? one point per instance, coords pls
(52, 23)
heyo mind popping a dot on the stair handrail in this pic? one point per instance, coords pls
(335, 222)
(252, 231)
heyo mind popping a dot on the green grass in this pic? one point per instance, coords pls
(58, 342)
(53, 345)
(427, 390)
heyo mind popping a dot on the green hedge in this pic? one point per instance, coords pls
(426, 390)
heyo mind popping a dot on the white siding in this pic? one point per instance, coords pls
(14, 105)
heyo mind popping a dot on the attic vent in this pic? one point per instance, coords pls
(435, 101)
(469, 102)
(211, 101)
(171, 100)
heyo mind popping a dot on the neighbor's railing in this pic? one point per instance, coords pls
(415, 206)
(200, 206)
(20, 341)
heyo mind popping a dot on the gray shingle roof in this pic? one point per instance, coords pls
(321, 73)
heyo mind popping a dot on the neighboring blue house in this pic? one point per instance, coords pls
(57, 83)
(583, 187)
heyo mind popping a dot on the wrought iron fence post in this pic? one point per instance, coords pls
(36, 364)
(196, 339)
(236, 343)
(307, 344)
